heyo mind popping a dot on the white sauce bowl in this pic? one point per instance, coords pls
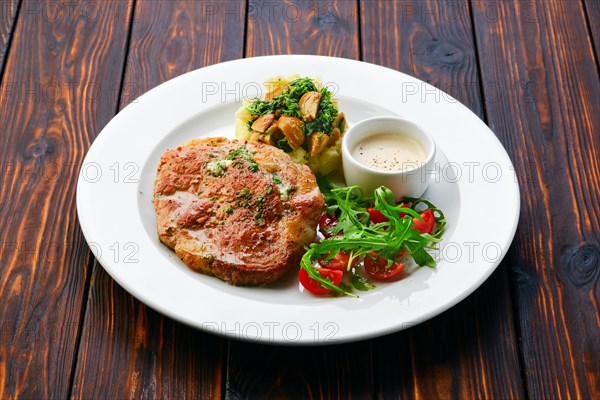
(410, 182)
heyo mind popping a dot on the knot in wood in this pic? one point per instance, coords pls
(39, 149)
(520, 277)
(442, 53)
(583, 264)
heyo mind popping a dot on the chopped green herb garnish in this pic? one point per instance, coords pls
(342, 125)
(301, 86)
(287, 104)
(327, 113)
(283, 144)
(276, 179)
(229, 210)
(240, 151)
(246, 196)
(269, 190)
(262, 107)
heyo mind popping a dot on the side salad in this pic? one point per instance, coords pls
(368, 238)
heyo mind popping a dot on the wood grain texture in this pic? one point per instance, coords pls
(127, 350)
(429, 39)
(56, 95)
(592, 8)
(171, 38)
(335, 372)
(302, 27)
(8, 13)
(130, 351)
(341, 371)
(547, 115)
(470, 351)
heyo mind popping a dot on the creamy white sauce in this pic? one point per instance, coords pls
(389, 152)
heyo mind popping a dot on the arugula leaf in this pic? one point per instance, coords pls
(361, 283)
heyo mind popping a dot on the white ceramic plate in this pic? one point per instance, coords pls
(474, 184)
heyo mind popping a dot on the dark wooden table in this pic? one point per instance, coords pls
(529, 69)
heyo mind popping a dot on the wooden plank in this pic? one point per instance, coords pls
(470, 351)
(331, 372)
(170, 39)
(55, 98)
(317, 27)
(342, 371)
(127, 349)
(429, 39)
(130, 351)
(459, 354)
(546, 112)
(8, 14)
(592, 8)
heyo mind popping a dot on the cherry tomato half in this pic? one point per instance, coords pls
(377, 216)
(404, 205)
(314, 286)
(425, 226)
(326, 224)
(338, 262)
(375, 265)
